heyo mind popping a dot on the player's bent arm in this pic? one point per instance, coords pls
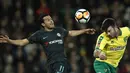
(100, 54)
(21, 42)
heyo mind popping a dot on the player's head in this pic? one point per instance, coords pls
(110, 27)
(46, 21)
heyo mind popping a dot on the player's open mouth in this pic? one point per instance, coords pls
(52, 24)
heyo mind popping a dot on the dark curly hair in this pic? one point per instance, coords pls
(108, 22)
(41, 17)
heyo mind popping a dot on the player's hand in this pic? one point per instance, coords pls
(90, 31)
(102, 56)
(4, 38)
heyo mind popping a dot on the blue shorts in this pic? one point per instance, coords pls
(59, 67)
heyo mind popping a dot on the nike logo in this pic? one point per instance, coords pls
(45, 37)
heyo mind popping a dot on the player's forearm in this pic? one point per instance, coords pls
(76, 32)
(17, 42)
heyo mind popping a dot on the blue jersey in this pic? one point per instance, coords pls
(52, 43)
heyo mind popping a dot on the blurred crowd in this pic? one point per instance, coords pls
(19, 19)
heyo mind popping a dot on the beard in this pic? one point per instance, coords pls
(113, 35)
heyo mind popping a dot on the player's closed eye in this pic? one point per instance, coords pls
(108, 31)
(49, 19)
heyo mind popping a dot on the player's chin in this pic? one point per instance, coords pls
(111, 37)
(52, 27)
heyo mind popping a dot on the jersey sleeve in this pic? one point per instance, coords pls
(64, 32)
(101, 42)
(129, 31)
(34, 38)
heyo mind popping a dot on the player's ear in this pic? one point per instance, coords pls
(43, 24)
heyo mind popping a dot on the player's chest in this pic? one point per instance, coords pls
(118, 41)
(52, 38)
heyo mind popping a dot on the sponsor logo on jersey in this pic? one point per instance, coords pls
(56, 41)
(117, 48)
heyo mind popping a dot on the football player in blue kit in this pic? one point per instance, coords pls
(52, 40)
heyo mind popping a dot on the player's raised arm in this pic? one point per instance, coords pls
(6, 39)
(79, 32)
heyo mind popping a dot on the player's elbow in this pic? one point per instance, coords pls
(71, 33)
(23, 42)
(96, 53)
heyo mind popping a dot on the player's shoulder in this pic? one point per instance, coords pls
(103, 35)
(38, 32)
(59, 28)
(34, 34)
(125, 31)
(125, 28)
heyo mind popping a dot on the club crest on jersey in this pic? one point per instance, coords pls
(58, 34)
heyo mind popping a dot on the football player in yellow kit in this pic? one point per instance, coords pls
(110, 46)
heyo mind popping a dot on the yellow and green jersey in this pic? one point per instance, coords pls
(113, 48)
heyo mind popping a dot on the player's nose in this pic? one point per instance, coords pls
(52, 21)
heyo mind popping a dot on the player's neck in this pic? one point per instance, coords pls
(118, 32)
(47, 29)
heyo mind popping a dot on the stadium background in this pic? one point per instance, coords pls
(18, 19)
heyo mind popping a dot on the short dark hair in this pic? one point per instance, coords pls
(108, 22)
(41, 17)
